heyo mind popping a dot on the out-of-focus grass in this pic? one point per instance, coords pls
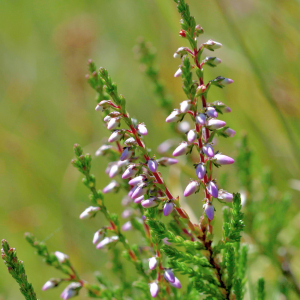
(46, 106)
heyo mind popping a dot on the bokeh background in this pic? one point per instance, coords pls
(47, 106)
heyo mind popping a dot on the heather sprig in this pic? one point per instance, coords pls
(17, 270)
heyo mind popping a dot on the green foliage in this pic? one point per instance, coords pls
(17, 270)
(261, 289)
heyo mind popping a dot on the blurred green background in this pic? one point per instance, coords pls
(47, 106)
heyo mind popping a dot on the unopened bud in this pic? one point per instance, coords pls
(229, 132)
(126, 154)
(191, 136)
(115, 136)
(212, 45)
(142, 129)
(98, 236)
(182, 33)
(174, 116)
(191, 188)
(200, 90)
(185, 106)
(208, 150)
(178, 73)
(107, 241)
(154, 289)
(89, 212)
(71, 290)
(225, 196)
(209, 211)
(129, 172)
(114, 170)
(168, 208)
(181, 149)
(152, 165)
(103, 150)
(212, 189)
(53, 282)
(151, 202)
(169, 275)
(215, 124)
(212, 61)
(200, 119)
(61, 257)
(198, 30)
(221, 159)
(111, 187)
(113, 123)
(176, 284)
(127, 226)
(137, 180)
(200, 171)
(152, 263)
(211, 112)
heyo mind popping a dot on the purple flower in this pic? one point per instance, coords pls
(225, 196)
(71, 290)
(136, 180)
(61, 257)
(107, 241)
(126, 154)
(127, 226)
(212, 189)
(53, 282)
(115, 136)
(132, 191)
(151, 202)
(214, 124)
(139, 191)
(209, 210)
(98, 236)
(152, 263)
(152, 165)
(113, 123)
(142, 129)
(176, 284)
(129, 172)
(154, 289)
(200, 171)
(139, 199)
(185, 106)
(168, 208)
(89, 212)
(229, 132)
(114, 170)
(181, 149)
(223, 159)
(191, 136)
(191, 188)
(169, 275)
(178, 73)
(166, 161)
(110, 187)
(174, 116)
(211, 112)
(208, 150)
(200, 119)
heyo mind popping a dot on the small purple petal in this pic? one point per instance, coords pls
(191, 136)
(152, 263)
(149, 202)
(139, 199)
(114, 170)
(110, 187)
(169, 275)
(126, 154)
(154, 289)
(200, 119)
(181, 149)
(152, 165)
(215, 124)
(136, 180)
(129, 172)
(208, 150)
(225, 196)
(212, 189)
(191, 188)
(176, 284)
(209, 211)
(115, 136)
(200, 171)
(211, 112)
(223, 159)
(139, 191)
(230, 132)
(168, 208)
(174, 116)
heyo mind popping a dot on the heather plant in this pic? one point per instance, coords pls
(174, 258)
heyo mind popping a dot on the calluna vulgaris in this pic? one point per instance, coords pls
(171, 244)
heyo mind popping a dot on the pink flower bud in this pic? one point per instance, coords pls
(111, 187)
(129, 172)
(139, 199)
(137, 180)
(200, 90)
(107, 118)
(166, 241)
(200, 171)
(115, 136)
(127, 226)
(89, 212)
(113, 123)
(225, 196)
(212, 45)
(103, 150)
(191, 188)
(104, 104)
(214, 124)
(168, 208)
(61, 257)
(142, 129)
(211, 112)
(107, 241)
(174, 116)
(126, 154)
(200, 119)
(152, 165)
(71, 290)
(169, 275)
(208, 150)
(132, 191)
(154, 289)
(226, 81)
(209, 210)
(212, 61)
(152, 263)
(139, 191)
(114, 170)
(227, 109)
(185, 106)
(130, 142)
(176, 284)
(181, 149)
(191, 136)
(178, 73)
(53, 282)
(229, 132)
(180, 52)
(221, 159)
(212, 189)
(151, 202)
(98, 236)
